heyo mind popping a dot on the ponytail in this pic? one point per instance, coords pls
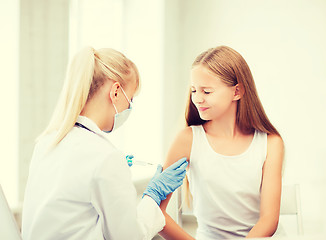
(73, 95)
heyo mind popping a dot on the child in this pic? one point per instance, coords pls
(236, 154)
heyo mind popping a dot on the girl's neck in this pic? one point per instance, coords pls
(218, 128)
(224, 126)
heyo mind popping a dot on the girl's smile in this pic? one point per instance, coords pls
(202, 109)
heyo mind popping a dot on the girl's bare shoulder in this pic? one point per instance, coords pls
(275, 149)
(180, 147)
(275, 142)
(185, 135)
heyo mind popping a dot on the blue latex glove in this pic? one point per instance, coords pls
(166, 182)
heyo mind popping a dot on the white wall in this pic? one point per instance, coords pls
(9, 25)
(284, 45)
(143, 41)
(129, 27)
(43, 56)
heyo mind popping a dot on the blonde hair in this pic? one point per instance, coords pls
(87, 73)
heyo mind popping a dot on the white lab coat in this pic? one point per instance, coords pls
(82, 189)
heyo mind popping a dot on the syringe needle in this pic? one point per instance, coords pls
(142, 163)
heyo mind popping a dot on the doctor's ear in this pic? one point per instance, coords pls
(238, 92)
(114, 91)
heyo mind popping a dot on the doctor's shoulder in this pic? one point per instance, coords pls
(105, 157)
(87, 143)
(100, 146)
(180, 147)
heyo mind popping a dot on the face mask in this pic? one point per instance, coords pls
(120, 118)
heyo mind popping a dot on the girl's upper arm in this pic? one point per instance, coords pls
(180, 147)
(272, 178)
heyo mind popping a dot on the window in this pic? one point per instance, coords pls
(9, 13)
(134, 28)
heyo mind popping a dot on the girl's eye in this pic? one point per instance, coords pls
(193, 91)
(207, 92)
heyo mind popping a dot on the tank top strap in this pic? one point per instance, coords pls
(260, 145)
(198, 142)
(197, 130)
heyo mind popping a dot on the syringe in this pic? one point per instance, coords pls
(131, 162)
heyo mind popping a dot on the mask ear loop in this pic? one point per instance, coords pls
(116, 111)
(130, 103)
(125, 94)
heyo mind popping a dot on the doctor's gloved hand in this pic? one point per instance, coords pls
(166, 182)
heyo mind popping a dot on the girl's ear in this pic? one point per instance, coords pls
(238, 92)
(114, 91)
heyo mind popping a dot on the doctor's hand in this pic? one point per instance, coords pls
(166, 182)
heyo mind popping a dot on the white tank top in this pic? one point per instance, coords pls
(225, 189)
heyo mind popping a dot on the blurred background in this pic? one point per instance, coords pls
(283, 43)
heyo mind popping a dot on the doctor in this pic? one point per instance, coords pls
(79, 184)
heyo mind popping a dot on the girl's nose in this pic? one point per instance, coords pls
(196, 98)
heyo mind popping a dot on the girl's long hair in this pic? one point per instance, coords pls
(229, 66)
(86, 74)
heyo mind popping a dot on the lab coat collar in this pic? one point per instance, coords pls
(91, 125)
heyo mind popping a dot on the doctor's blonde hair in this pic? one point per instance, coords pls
(87, 73)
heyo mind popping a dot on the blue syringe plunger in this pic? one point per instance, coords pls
(129, 160)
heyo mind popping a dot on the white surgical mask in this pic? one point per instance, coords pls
(120, 117)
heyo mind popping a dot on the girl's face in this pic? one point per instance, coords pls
(212, 97)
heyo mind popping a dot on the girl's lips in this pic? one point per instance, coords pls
(202, 109)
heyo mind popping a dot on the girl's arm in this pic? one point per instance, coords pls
(271, 189)
(181, 147)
